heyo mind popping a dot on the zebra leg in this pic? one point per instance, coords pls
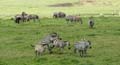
(34, 20)
(36, 53)
(81, 21)
(91, 26)
(49, 49)
(39, 53)
(75, 50)
(85, 52)
(17, 20)
(61, 50)
(82, 53)
(23, 19)
(38, 20)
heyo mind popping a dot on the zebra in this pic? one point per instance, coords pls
(73, 18)
(82, 47)
(48, 40)
(59, 15)
(91, 22)
(59, 43)
(39, 49)
(33, 17)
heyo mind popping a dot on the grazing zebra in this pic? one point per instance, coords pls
(59, 15)
(33, 17)
(39, 49)
(73, 18)
(59, 43)
(19, 18)
(82, 47)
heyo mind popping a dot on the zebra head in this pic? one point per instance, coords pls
(89, 44)
(67, 44)
(53, 37)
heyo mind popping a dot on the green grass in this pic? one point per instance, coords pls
(12, 7)
(15, 41)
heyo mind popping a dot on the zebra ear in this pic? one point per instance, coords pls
(89, 42)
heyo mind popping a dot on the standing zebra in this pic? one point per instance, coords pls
(91, 22)
(39, 49)
(33, 17)
(48, 40)
(82, 47)
(59, 43)
(24, 16)
(74, 18)
(59, 15)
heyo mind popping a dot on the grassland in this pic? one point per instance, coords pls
(15, 41)
(40, 7)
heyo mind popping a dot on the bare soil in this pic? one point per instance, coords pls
(80, 3)
(62, 5)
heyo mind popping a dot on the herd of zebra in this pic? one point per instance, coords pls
(53, 40)
(24, 17)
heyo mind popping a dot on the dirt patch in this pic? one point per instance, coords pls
(90, 1)
(82, 2)
(93, 2)
(62, 5)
